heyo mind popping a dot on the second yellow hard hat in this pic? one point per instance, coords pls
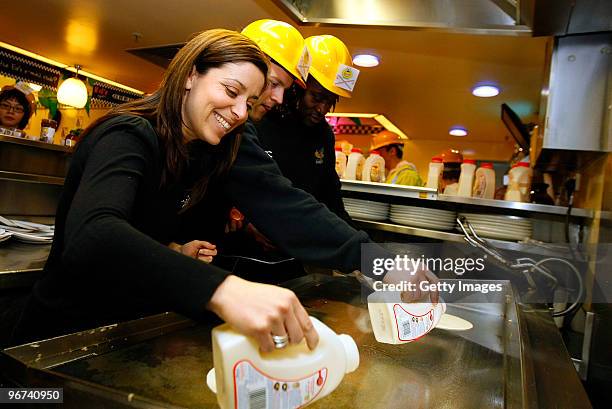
(331, 64)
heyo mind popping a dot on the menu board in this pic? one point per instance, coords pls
(28, 69)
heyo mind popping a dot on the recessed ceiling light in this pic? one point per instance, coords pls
(458, 131)
(485, 91)
(366, 60)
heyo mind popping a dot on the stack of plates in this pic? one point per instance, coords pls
(5, 235)
(27, 232)
(423, 217)
(366, 209)
(499, 227)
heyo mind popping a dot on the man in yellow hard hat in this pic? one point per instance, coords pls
(298, 136)
(284, 44)
(391, 148)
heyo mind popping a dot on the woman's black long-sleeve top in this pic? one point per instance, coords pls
(109, 259)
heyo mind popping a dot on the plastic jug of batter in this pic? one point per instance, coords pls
(340, 162)
(466, 178)
(434, 177)
(291, 377)
(374, 168)
(354, 166)
(397, 322)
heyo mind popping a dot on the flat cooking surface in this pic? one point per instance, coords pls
(442, 370)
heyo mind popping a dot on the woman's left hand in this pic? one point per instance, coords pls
(199, 249)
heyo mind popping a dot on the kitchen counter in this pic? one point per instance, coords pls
(21, 264)
(34, 144)
(513, 358)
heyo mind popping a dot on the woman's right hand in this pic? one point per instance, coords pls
(262, 310)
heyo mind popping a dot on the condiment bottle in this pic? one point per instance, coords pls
(340, 162)
(47, 130)
(434, 177)
(291, 377)
(354, 166)
(374, 169)
(484, 181)
(466, 178)
(397, 322)
(519, 182)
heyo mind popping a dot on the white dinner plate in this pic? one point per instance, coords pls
(380, 213)
(421, 209)
(352, 206)
(432, 218)
(366, 216)
(32, 225)
(6, 222)
(30, 238)
(423, 224)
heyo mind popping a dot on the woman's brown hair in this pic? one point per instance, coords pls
(209, 49)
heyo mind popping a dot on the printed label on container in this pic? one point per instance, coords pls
(255, 390)
(411, 327)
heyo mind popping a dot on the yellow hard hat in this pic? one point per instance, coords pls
(331, 64)
(385, 138)
(283, 43)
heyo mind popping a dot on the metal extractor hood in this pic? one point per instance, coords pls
(464, 16)
(508, 17)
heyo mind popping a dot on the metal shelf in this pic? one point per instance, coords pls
(425, 195)
(389, 190)
(448, 236)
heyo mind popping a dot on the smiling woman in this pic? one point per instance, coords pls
(135, 173)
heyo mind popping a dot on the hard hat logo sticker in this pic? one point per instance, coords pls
(346, 77)
(304, 64)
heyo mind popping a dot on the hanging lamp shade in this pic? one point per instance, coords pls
(72, 92)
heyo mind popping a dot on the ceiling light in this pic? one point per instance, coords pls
(485, 91)
(72, 92)
(458, 131)
(366, 60)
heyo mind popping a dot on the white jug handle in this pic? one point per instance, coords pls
(211, 381)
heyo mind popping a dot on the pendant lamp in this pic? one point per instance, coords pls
(73, 91)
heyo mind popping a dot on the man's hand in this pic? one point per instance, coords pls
(199, 249)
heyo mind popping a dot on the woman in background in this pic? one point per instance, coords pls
(15, 107)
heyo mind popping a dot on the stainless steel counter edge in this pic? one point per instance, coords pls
(426, 194)
(21, 264)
